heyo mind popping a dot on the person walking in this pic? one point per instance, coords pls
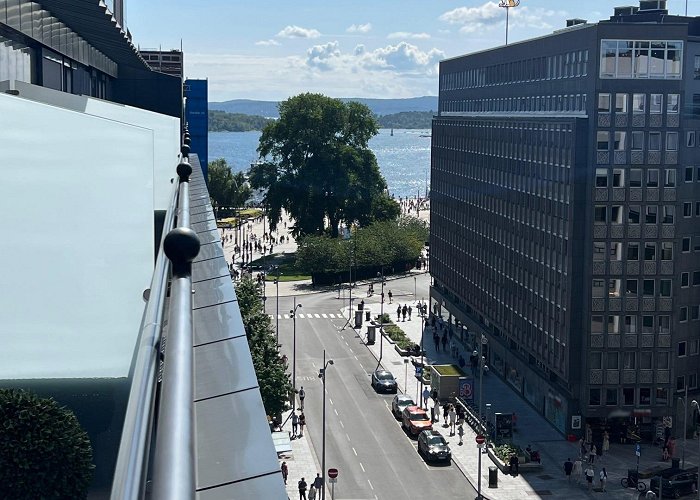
(583, 449)
(312, 493)
(568, 467)
(318, 483)
(606, 443)
(591, 454)
(577, 471)
(514, 464)
(285, 471)
(295, 424)
(302, 423)
(445, 413)
(398, 313)
(426, 396)
(590, 474)
(460, 433)
(603, 478)
(302, 395)
(302, 489)
(444, 342)
(453, 419)
(390, 296)
(404, 312)
(436, 340)
(410, 310)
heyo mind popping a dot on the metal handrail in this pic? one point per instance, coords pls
(174, 460)
(132, 460)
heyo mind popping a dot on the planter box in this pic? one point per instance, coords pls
(522, 466)
(402, 352)
(445, 379)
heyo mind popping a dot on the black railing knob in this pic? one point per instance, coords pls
(185, 150)
(184, 170)
(181, 246)
(187, 140)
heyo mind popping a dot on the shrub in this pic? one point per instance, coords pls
(44, 452)
(504, 451)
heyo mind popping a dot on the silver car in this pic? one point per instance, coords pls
(400, 402)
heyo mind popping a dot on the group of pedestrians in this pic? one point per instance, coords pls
(314, 489)
(298, 423)
(575, 469)
(403, 311)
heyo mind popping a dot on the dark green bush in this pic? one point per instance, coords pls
(44, 452)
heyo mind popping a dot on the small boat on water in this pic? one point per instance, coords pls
(392, 132)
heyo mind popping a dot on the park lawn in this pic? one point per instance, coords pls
(286, 261)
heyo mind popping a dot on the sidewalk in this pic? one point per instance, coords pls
(533, 429)
(301, 462)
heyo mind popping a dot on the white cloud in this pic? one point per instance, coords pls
(323, 56)
(359, 50)
(408, 35)
(298, 32)
(267, 42)
(403, 57)
(490, 15)
(359, 28)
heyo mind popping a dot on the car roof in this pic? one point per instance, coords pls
(382, 371)
(414, 409)
(431, 433)
(403, 397)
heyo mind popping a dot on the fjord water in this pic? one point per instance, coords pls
(404, 158)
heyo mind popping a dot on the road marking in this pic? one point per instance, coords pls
(301, 315)
(336, 412)
(370, 484)
(329, 399)
(347, 436)
(354, 451)
(356, 357)
(346, 343)
(286, 316)
(362, 467)
(324, 315)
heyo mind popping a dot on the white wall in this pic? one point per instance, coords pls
(76, 252)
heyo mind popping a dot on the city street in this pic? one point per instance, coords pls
(374, 456)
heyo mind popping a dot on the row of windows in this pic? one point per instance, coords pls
(556, 103)
(614, 214)
(619, 178)
(689, 312)
(628, 396)
(632, 325)
(639, 103)
(612, 251)
(613, 288)
(657, 59)
(568, 65)
(619, 142)
(628, 360)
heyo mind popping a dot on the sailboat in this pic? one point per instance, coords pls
(392, 131)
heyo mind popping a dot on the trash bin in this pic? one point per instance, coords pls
(493, 477)
(371, 334)
(361, 305)
(358, 319)
(368, 314)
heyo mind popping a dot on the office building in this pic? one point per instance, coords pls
(565, 197)
(170, 62)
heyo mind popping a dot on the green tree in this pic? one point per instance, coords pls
(226, 189)
(44, 452)
(319, 166)
(274, 382)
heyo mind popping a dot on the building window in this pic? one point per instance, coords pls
(696, 244)
(603, 103)
(697, 209)
(690, 139)
(673, 103)
(631, 324)
(651, 213)
(629, 360)
(637, 140)
(696, 68)
(600, 213)
(633, 251)
(687, 209)
(648, 288)
(612, 361)
(685, 245)
(693, 347)
(635, 177)
(620, 103)
(669, 214)
(598, 289)
(664, 324)
(662, 360)
(661, 396)
(652, 178)
(696, 278)
(671, 141)
(656, 103)
(645, 361)
(654, 141)
(596, 360)
(685, 280)
(639, 103)
(601, 177)
(666, 250)
(694, 313)
(688, 174)
(683, 314)
(641, 59)
(599, 251)
(618, 178)
(611, 397)
(670, 177)
(665, 288)
(633, 214)
(613, 324)
(649, 251)
(596, 324)
(603, 140)
(692, 381)
(681, 349)
(644, 396)
(594, 397)
(620, 141)
(628, 396)
(680, 383)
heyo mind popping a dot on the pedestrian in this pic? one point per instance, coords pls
(404, 311)
(435, 412)
(302, 489)
(318, 482)
(382, 297)
(444, 343)
(583, 449)
(436, 340)
(568, 467)
(453, 419)
(410, 310)
(285, 472)
(426, 396)
(302, 423)
(514, 464)
(390, 296)
(398, 313)
(606, 443)
(603, 478)
(460, 433)
(590, 473)
(591, 454)
(312, 493)
(302, 395)
(295, 424)
(445, 412)
(577, 472)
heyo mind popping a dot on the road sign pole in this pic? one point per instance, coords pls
(478, 491)
(332, 491)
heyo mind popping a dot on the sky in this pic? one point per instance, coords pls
(274, 49)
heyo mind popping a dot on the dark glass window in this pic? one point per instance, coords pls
(594, 397)
(628, 396)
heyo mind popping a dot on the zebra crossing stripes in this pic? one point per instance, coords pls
(310, 316)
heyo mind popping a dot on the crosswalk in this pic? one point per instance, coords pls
(310, 316)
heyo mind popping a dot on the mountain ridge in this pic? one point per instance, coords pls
(379, 107)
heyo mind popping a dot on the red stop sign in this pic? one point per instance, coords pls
(480, 439)
(332, 473)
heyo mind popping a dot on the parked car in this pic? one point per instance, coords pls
(676, 485)
(415, 420)
(384, 381)
(433, 446)
(400, 402)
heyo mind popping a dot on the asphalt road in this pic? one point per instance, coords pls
(374, 456)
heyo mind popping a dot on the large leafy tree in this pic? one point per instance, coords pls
(318, 166)
(226, 189)
(274, 382)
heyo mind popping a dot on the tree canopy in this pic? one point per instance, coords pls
(221, 121)
(318, 166)
(226, 189)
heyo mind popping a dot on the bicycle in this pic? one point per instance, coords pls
(628, 482)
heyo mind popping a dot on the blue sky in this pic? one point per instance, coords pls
(273, 49)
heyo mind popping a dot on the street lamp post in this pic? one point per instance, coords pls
(293, 313)
(414, 288)
(483, 342)
(381, 320)
(405, 375)
(694, 404)
(322, 376)
(422, 332)
(277, 299)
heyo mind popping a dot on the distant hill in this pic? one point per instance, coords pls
(379, 107)
(407, 119)
(220, 121)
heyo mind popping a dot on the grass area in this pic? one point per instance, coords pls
(246, 213)
(397, 335)
(288, 271)
(447, 370)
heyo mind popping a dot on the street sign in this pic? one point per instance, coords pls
(638, 450)
(466, 388)
(479, 439)
(332, 473)
(332, 480)
(419, 371)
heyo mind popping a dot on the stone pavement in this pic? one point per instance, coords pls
(301, 462)
(532, 428)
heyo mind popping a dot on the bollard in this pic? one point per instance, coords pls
(493, 477)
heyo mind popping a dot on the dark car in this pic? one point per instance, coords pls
(400, 402)
(676, 485)
(433, 446)
(384, 381)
